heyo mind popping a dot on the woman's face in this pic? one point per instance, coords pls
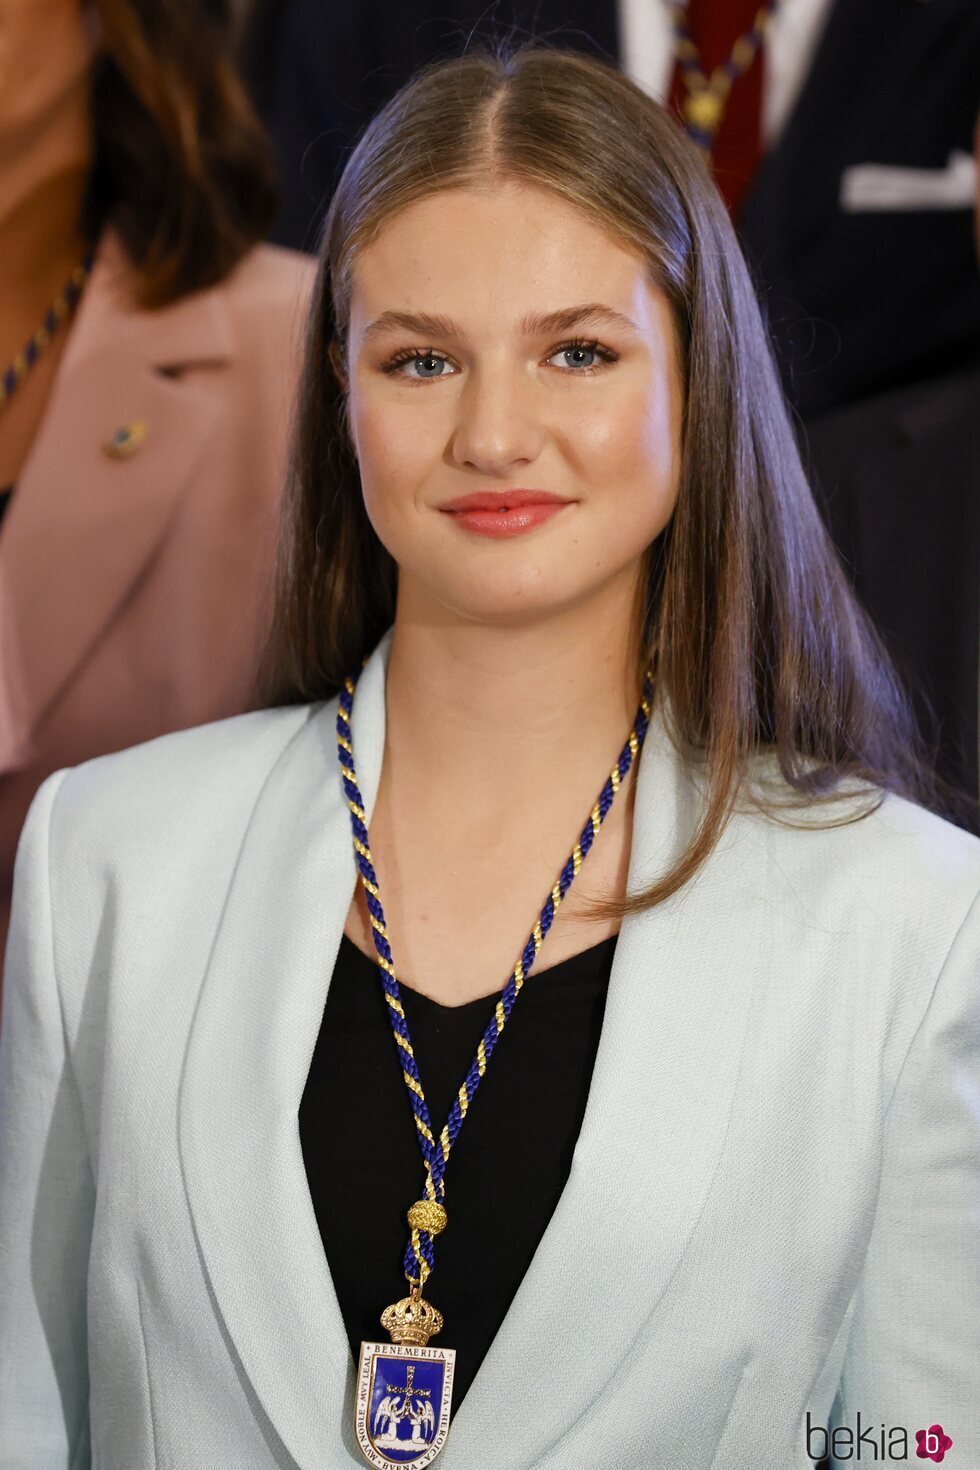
(46, 52)
(500, 342)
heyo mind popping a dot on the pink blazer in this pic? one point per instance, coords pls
(134, 591)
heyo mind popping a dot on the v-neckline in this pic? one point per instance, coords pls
(417, 997)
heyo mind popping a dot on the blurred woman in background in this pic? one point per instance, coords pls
(146, 368)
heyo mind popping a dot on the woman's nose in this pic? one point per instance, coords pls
(497, 425)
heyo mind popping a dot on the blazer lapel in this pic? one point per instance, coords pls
(650, 1142)
(773, 208)
(247, 1062)
(82, 525)
(662, 1091)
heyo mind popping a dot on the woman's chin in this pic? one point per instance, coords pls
(507, 601)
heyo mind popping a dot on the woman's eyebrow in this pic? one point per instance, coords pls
(566, 319)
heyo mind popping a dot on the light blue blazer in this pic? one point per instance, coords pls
(771, 1219)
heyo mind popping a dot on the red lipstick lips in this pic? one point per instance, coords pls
(501, 513)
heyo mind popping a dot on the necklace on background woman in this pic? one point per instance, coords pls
(404, 1389)
(58, 312)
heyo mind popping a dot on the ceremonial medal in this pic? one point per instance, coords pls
(703, 110)
(704, 105)
(404, 1388)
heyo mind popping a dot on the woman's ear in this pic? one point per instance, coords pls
(336, 354)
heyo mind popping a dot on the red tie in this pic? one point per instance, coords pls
(715, 26)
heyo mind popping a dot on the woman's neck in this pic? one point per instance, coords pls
(39, 248)
(497, 742)
(42, 192)
(41, 239)
(529, 710)
(44, 173)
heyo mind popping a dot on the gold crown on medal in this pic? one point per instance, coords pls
(412, 1321)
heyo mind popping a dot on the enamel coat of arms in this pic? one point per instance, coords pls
(401, 1414)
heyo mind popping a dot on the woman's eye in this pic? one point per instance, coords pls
(421, 366)
(581, 356)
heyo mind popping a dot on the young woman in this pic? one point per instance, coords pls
(614, 859)
(148, 355)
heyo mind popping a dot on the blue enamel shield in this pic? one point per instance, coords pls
(401, 1416)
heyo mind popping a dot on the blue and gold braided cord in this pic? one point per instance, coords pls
(419, 1253)
(61, 307)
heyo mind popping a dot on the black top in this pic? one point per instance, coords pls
(507, 1169)
(5, 499)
